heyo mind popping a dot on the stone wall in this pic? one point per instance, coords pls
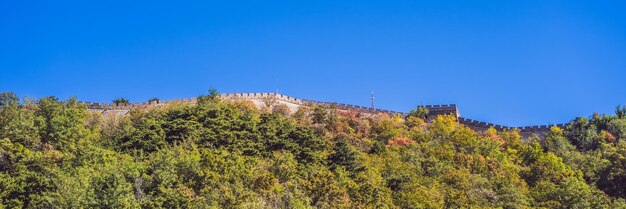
(524, 130)
(260, 100)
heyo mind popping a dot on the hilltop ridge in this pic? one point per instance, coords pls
(294, 104)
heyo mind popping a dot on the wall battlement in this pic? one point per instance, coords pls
(525, 130)
(294, 103)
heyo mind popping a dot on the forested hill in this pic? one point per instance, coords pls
(231, 154)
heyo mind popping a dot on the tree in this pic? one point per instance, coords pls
(582, 134)
(284, 165)
(212, 96)
(17, 124)
(154, 100)
(345, 156)
(617, 127)
(8, 99)
(213, 93)
(61, 124)
(556, 142)
(620, 112)
(612, 179)
(121, 101)
(320, 115)
(146, 134)
(420, 112)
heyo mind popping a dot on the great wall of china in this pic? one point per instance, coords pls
(259, 99)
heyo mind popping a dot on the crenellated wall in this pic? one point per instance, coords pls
(259, 99)
(524, 130)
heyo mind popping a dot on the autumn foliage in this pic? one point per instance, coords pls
(400, 141)
(219, 154)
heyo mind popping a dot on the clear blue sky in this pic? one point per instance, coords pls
(525, 63)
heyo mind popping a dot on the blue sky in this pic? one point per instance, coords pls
(524, 63)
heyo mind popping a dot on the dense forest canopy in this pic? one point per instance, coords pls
(227, 154)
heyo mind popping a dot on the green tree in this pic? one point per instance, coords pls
(420, 112)
(62, 124)
(620, 112)
(212, 96)
(154, 100)
(121, 101)
(617, 127)
(345, 156)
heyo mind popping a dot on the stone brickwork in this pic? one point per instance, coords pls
(260, 99)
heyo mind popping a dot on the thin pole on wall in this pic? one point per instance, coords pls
(277, 86)
(373, 107)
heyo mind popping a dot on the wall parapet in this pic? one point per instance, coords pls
(479, 125)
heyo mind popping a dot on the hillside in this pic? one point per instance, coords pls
(221, 153)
